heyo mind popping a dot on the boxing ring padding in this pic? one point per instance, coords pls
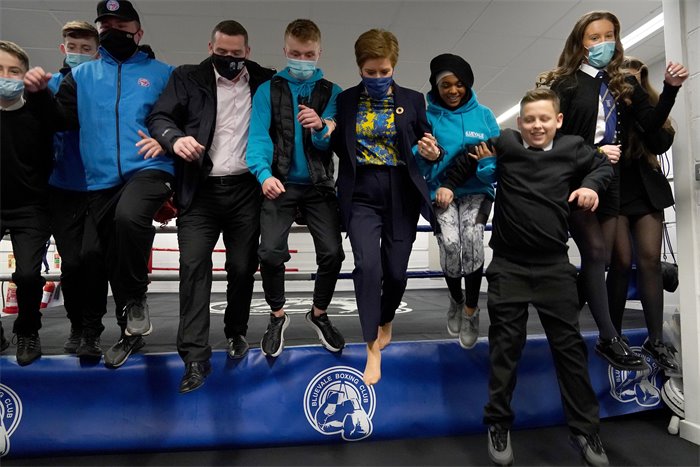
(59, 405)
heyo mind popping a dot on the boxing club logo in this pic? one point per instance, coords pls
(10, 416)
(338, 402)
(636, 386)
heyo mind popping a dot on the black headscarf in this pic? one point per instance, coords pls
(456, 65)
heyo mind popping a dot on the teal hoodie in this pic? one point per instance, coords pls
(455, 130)
(260, 146)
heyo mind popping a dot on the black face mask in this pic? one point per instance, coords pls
(119, 44)
(227, 66)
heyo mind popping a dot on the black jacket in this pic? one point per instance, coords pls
(187, 107)
(530, 222)
(411, 122)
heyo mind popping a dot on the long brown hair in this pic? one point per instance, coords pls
(635, 149)
(574, 53)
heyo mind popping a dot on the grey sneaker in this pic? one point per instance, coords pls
(591, 449)
(454, 317)
(469, 330)
(116, 355)
(73, 342)
(500, 450)
(138, 320)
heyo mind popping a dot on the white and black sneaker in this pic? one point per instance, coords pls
(500, 451)
(272, 342)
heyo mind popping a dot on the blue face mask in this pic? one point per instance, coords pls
(73, 60)
(11, 89)
(377, 88)
(599, 55)
(301, 69)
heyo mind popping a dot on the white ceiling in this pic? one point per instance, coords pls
(507, 42)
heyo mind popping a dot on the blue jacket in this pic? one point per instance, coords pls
(260, 146)
(68, 170)
(111, 101)
(455, 130)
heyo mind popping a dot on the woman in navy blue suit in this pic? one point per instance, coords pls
(380, 188)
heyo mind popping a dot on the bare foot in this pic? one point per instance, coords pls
(384, 336)
(373, 369)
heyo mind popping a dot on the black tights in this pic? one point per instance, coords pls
(643, 233)
(472, 286)
(594, 237)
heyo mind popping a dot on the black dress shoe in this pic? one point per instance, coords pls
(619, 355)
(237, 347)
(195, 374)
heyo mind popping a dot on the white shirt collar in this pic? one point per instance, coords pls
(546, 148)
(589, 70)
(14, 106)
(242, 76)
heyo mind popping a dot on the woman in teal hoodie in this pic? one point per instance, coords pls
(460, 122)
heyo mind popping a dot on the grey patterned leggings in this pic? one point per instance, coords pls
(461, 242)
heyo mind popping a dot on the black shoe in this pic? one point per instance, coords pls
(28, 348)
(272, 342)
(73, 342)
(119, 352)
(138, 321)
(665, 356)
(591, 449)
(330, 337)
(237, 347)
(619, 355)
(4, 343)
(500, 450)
(195, 374)
(89, 348)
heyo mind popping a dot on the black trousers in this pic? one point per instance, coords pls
(83, 275)
(323, 221)
(29, 231)
(124, 219)
(382, 229)
(223, 204)
(551, 289)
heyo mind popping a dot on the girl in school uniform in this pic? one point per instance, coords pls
(644, 194)
(600, 103)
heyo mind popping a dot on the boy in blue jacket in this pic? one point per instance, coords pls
(289, 153)
(128, 175)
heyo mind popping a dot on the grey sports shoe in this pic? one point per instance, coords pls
(500, 450)
(469, 330)
(454, 317)
(591, 449)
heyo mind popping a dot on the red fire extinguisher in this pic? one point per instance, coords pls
(49, 288)
(11, 299)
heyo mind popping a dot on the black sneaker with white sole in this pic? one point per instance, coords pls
(272, 342)
(117, 355)
(328, 334)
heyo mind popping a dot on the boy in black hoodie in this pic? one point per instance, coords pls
(536, 173)
(27, 150)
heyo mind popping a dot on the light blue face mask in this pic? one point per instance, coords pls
(73, 60)
(599, 55)
(301, 69)
(11, 89)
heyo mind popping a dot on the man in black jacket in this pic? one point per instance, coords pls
(203, 118)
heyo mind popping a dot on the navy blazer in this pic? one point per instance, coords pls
(411, 123)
